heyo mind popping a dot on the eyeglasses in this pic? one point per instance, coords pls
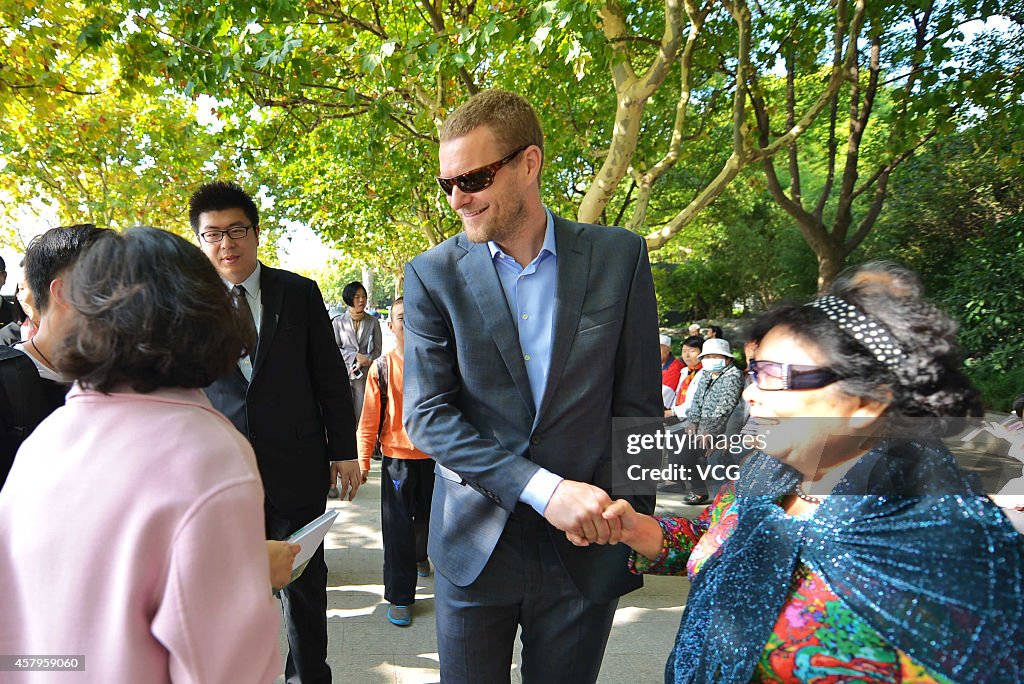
(477, 179)
(234, 232)
(772, 376)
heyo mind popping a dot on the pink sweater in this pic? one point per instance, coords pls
(131, 532)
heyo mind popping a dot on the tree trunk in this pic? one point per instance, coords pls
(368, 284)
(831, 260)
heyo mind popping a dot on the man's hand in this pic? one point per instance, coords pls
(282, 557)
(639, 531)
(348, 478)
(363, 475)
(576, 508)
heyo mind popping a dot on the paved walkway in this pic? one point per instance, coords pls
(366, 649)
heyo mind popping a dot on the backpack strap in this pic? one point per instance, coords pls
(382, 381)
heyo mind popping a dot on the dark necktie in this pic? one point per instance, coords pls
(244, 310)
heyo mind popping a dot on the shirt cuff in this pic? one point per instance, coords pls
(539, 490)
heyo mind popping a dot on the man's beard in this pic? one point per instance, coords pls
(501, 228)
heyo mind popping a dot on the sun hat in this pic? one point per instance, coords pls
(715, 345)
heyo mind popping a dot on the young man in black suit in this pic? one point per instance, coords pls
(290, 397)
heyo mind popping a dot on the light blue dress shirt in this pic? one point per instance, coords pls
(530, 293)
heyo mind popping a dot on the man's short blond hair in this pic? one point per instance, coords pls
(509, 116)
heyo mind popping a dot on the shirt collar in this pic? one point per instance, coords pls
(251, 284)
(549, 240)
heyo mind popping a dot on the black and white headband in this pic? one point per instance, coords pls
(862, 328)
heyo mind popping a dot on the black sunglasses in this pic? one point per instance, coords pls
(773, 376)
(477, 179)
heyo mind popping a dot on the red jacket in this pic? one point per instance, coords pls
(670, 372)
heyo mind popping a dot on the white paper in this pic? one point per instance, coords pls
(309, 538)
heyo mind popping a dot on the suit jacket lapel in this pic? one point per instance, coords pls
(477, 269)
(573, 272)
(270, 297)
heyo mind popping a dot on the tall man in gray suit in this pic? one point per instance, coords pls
(525, 336)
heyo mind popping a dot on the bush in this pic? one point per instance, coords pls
(986, 294)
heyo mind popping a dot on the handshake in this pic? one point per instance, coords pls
(588, 515)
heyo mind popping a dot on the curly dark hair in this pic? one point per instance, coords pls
(929, 380)
(348, 295)
(218, 196)
(150, 312)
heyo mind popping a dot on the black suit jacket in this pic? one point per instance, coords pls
(297, 410)
(8, 310)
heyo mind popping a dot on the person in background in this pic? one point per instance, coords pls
(852, 546)
(8, 312)
(10, 334)
(358, 336)
(738, 424)
(690, 354)
(671, 369)
(407, 476)
(715, 332)
(694, 330)
(715, 395)
(149, 493)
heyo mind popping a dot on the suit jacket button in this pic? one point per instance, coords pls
(535, 440)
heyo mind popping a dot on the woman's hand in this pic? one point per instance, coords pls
(620, 511)
(282, 556)
(362, 360)
(639, 531)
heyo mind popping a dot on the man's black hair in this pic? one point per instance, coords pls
(218, 196)
(52, 253)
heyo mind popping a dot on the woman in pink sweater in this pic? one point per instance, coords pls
(131, 527)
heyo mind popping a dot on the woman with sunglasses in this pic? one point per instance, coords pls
(851, 548)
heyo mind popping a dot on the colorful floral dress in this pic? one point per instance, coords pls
(816, 637)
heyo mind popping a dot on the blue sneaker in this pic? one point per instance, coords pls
(400, 615)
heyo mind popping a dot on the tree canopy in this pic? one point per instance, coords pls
(721, 130)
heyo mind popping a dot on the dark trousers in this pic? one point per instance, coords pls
(304, 602)
(405, 490)
(523, 584)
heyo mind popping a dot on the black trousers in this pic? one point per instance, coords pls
(304, 602)
(523, 584)
(406, 488)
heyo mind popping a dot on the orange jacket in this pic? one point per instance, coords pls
(394, 441)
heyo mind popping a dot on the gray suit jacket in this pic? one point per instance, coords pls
(468, 402)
